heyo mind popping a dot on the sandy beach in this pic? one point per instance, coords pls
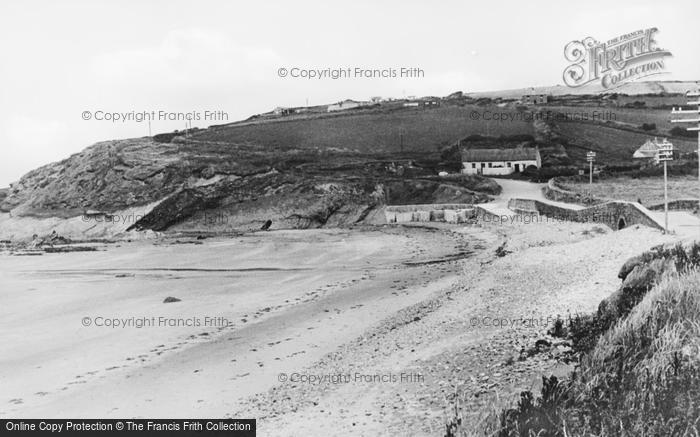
(321, 332)
(251, 307)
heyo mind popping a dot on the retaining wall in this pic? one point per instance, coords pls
(450, 213)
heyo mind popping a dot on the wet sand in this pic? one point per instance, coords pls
(256, 306)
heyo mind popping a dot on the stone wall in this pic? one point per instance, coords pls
(614, 214)
(677, 205)
(554, 190)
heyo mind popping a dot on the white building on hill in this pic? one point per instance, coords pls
(346, 104)
(650, 150)
(499, 161)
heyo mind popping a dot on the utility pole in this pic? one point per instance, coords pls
(695, 111)
(665, 155)
(149, 127)
(590, 157)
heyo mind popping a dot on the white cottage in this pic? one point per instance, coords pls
(650, 150)
(499, 161)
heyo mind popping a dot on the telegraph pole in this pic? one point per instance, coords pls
(695, 111)
(590, 157)
(665, 155)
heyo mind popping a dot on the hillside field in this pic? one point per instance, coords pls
(421, 130)
(610, 143)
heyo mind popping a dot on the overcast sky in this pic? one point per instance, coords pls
(62, 58)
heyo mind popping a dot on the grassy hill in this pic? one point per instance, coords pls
(372, 131)
(612, 144)
(359, 153)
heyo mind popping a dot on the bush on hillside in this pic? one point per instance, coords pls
(682, 132)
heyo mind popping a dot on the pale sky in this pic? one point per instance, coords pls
(62, 58)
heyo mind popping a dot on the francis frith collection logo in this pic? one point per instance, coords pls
(613, 63)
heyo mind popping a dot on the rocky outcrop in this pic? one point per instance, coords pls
(114, 175)
(200, 186)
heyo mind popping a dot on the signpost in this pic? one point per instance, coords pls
(665, 155)
(590, 157)
(695, 111)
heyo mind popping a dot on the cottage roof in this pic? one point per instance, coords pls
(647, 150)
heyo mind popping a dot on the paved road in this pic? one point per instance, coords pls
(520, 190)
(681, 223)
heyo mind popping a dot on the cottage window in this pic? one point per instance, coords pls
(508, 163)
(490, 164)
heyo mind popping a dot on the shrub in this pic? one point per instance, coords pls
(558, 328)
(639, 371)
(682, 132)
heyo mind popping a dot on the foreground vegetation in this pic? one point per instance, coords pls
(638, 356)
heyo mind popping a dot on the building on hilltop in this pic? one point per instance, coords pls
(423, 103)
(499, 161)
(282, 111)
(650, 150)
(534, 99)
(346, 104)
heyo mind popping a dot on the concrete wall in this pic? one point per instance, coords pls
(523, 206)
(615, 214)
(450, 213)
